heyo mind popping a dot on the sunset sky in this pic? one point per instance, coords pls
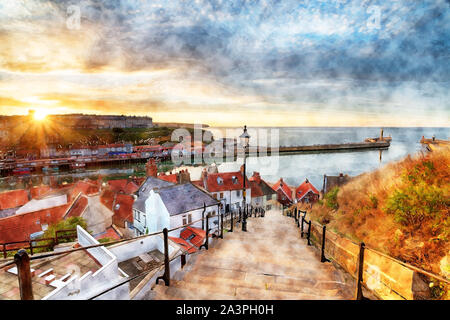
(228, 63)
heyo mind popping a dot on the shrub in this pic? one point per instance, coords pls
(331, 198)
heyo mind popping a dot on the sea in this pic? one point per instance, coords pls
(293, 168)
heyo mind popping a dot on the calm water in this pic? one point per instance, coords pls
(295, 168)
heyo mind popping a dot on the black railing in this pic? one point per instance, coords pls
(301, 221)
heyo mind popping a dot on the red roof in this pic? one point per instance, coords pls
(110, 233)
(120, 204)
(216, 182)
(123, 185)
(39, 191)
(123, 209)
(84, 187)
(198, 235)
(13, 199)
(77, 208)
(107, 198)
(256, 189)
(19, 227)
(280, 184)
(168, 177)
(304, 188)
(184, 244)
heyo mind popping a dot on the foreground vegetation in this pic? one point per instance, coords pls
(401, 209)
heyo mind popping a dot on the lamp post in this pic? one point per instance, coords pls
(245, 137)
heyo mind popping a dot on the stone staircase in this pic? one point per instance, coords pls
(270, 261)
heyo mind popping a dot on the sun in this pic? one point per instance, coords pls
(40, 115)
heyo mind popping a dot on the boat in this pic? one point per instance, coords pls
(77, 165)
(21, 171)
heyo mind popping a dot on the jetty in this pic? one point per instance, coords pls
(433, 143)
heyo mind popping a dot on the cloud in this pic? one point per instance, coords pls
(362, 56)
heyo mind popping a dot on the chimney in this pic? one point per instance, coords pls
(151, 169)
(183, 176)
(257, 177)
(281, 182)
(341, 174)
(307, 181)
(381, 134)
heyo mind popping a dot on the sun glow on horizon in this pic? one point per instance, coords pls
(40, 114)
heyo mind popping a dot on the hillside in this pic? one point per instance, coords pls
(401, 209)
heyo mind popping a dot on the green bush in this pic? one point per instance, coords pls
(415, 203)
(331, 198)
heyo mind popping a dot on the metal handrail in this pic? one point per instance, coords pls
(405, 264)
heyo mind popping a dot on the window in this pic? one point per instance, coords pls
(215, 196)
(269, 197)
(221, 195)
(184, 220)
(238, 193)
(137, 215)
(190, 218)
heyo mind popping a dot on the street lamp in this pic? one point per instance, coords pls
(245, 137)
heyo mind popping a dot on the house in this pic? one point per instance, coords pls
(263, 196)
(11, 201)
(171, 207)
(33, 218)
(121, 207)
(83, 274)
(125, 186)
(226, 187)
(329, 182)
(284, 193)
(306, 193)
(182, 176)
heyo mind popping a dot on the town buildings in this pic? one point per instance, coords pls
(329, 182)
(263, 196)
(284, 193)
(171, 207)
(306, 193)
(227, 188)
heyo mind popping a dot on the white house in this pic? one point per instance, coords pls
(173, 206)
(227, 187)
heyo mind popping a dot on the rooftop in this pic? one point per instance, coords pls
(61, 267)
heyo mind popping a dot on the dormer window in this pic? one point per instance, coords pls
(234, 179)
(219, 180)
(117, 207)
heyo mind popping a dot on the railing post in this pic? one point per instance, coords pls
(295, 214)
(359, 275)
(322, 258)
(166, 275)
(221, 226)
(4, 251)
(309, 233)
(31, 247)
(183, 260)
(303, 220)
(22, 261)
(207, 235)
(231, 230)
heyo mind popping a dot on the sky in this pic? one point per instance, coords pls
(229, 63)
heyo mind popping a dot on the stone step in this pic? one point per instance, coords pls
(261, 294)
(229, 286)
(176, 293)
(311, 269)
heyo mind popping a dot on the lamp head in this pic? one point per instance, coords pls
(245, 137)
